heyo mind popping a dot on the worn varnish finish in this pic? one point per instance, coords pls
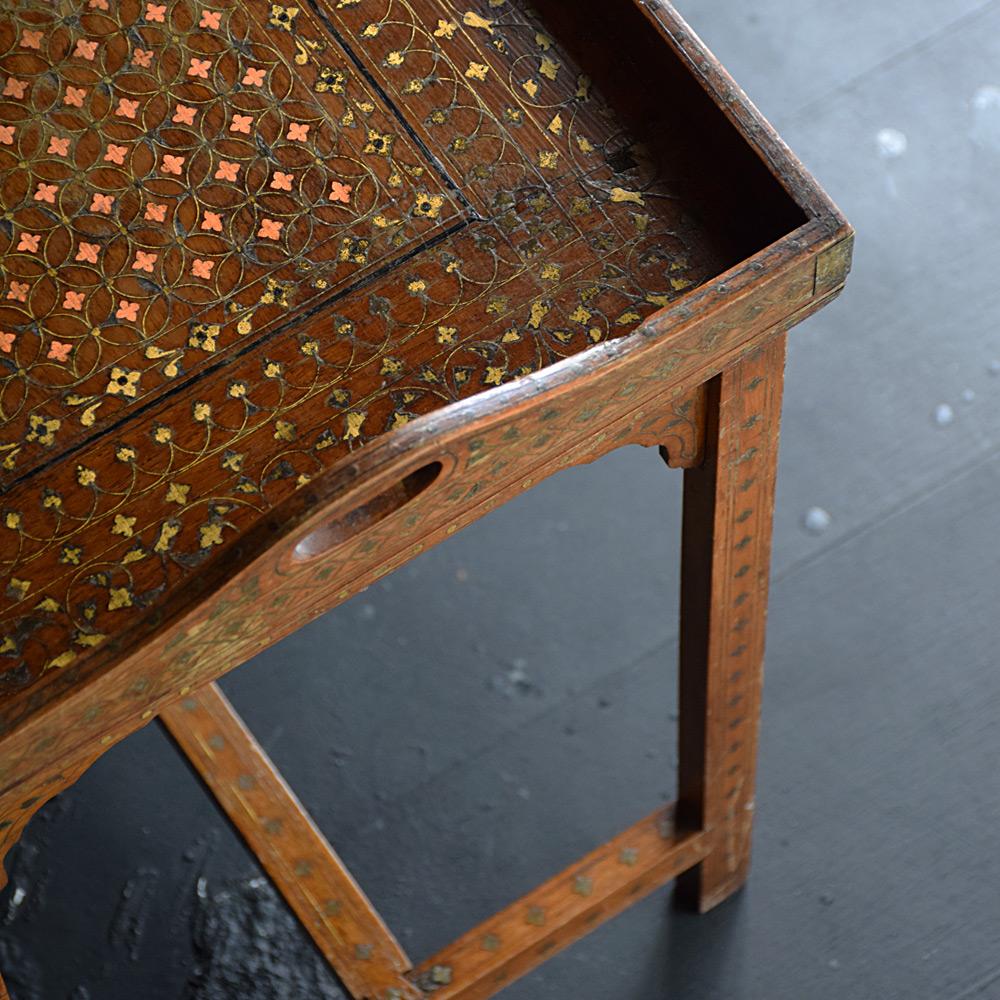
(292, 293)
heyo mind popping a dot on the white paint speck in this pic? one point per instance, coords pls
(986, 117)
(817, 520)
(968, 395)
(891, 143)
(994, 366)
(943, 415)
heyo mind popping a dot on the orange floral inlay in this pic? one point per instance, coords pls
(7, 135)
(212, 222)
(241, 123)
(270, 229)
(7, 341)
(227, 171)
(127, 310)
(58, 145)
(29, 242)
(75, 96)
(156, 212)
(144, 261)
(86, 49)
(199, 68)
(127, 108)
(31, 39)
(143, 57)
(155, 12)
(87, 252)
(15, 88)
(102, 203)
(98, 4)
(202, 268)
(59, 351)
(183, 115)
(281, 182)
(46, 192)
(297, 132)
(172, 164)
(116, 154)
(210, 19)
(73, 300)
(254, 77)
(18, 291)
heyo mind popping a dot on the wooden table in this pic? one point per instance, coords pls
(290, 294)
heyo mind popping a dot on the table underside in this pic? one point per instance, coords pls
(242, 240)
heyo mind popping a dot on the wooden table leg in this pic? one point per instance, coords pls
(728, 509)
(303, 866)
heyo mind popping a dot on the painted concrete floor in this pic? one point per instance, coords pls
(494, 710)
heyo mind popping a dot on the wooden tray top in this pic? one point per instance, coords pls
(241, 241)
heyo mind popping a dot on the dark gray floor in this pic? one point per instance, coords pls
(489, 713)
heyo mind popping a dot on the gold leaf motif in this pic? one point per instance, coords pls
(12, 520)
(539, 310)
(89, 638)
(620, 195)
(556, 125)
(123, 526)
(548, 160)
(477, 71)
(472, 20)
(119, 597)
(354, 422)
(177, 493)
(168, 531)
(62, 660)
(446, 29)
(531, 87)
(210, 534)
(549, 68)
(284, 430)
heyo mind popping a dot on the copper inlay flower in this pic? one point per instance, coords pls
(144, 261)
(172, 164)
(127, 310)
(199, 68)
(270, 229)
(227, 171)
